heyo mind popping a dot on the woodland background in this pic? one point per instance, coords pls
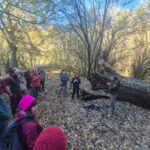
(85, 36)
(76, 35)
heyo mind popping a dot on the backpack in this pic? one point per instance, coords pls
(13, 139)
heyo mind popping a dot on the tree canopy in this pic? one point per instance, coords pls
(77, 35)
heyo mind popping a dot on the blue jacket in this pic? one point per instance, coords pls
(64, 78)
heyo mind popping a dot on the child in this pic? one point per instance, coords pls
(30, 129)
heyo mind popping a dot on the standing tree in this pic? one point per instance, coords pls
(91, 20)
(15, 15)
(99, 25)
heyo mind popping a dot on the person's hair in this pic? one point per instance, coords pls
(32, 105)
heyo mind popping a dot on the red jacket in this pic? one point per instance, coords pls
(30, 130)
(35, 80)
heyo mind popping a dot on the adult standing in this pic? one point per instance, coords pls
(76, 85)
(13, 89)
(42, 75)
(114, 89)
(27, 76)
(63, 84)
(35, 84)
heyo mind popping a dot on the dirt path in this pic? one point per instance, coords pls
(128, 129)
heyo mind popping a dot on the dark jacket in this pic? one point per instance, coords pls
(14, 84)
(30, 130)
(42, 75)
(76, 82)
(27, 75)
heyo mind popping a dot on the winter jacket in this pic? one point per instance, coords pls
(27, 75)
(64, 78)
(76, 82)
(30, 130)
(14, 84)
(35, 81)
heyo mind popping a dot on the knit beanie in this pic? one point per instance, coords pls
(26, 102)
(52, 138)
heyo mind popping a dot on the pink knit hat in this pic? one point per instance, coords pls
(26, 102)
(52, 138)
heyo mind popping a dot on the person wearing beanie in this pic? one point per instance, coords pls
(30, 129)
(51, 138)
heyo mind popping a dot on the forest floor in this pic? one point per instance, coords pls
(127, 129)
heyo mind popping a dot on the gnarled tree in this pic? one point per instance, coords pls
(101, 27)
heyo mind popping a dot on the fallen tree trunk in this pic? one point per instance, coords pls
(90, 94)
(131, 90)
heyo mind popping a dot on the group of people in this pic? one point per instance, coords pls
(31, 135)
(23, 91)
(17, 84)
(75, 81)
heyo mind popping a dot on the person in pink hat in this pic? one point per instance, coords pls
(30, 129)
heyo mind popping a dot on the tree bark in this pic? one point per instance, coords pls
(91, 94)
(131, 90)
(14, 62)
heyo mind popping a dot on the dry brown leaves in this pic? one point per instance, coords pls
(128, 129)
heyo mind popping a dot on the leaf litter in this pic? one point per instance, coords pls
(95, 129)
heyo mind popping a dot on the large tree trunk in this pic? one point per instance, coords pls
(131, 90)
(14, 62)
